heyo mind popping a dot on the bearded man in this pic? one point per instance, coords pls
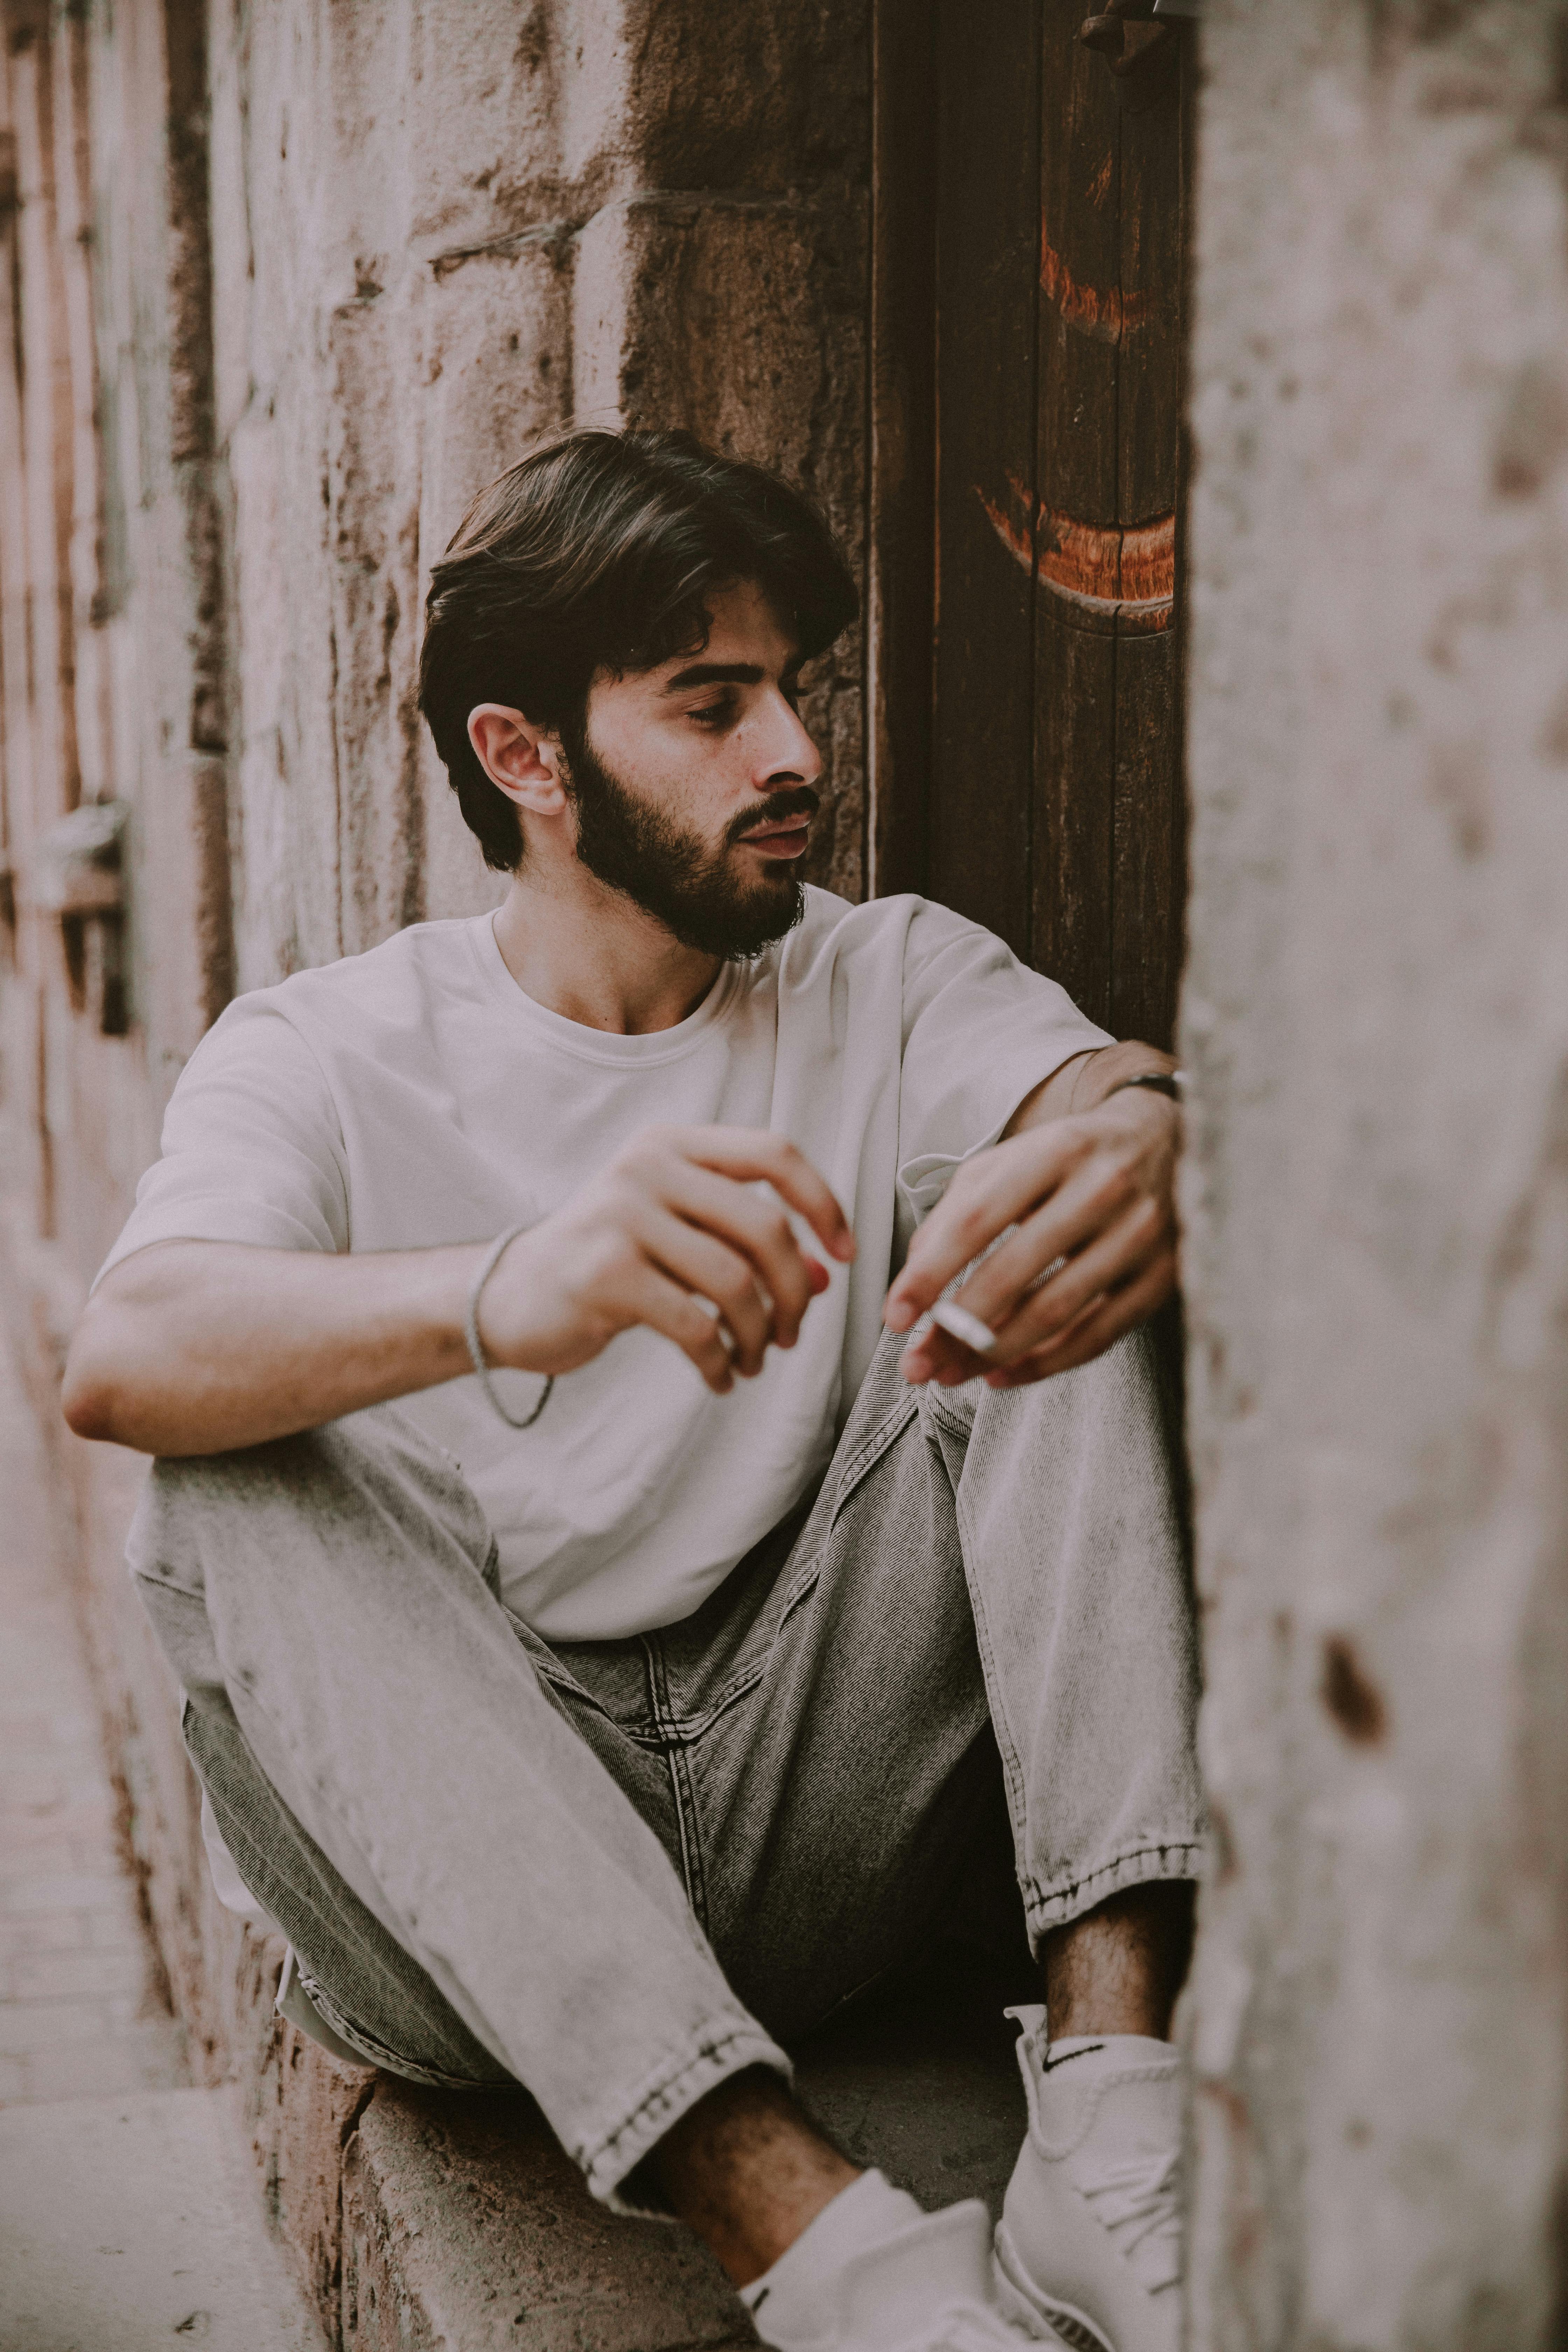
(609, 1615)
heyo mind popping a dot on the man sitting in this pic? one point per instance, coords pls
(607, 1635)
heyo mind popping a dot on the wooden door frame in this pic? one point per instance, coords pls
(903, 455)
(901, 446)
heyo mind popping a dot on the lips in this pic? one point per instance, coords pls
(780, 840)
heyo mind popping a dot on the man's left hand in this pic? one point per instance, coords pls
(1093, 1190)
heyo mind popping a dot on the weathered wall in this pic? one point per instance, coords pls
(438, 234)
(1377, 1203)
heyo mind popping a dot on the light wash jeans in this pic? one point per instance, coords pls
(618, 1871)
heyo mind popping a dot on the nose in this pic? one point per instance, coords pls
(786, 753)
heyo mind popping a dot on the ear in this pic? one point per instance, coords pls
(519, 759)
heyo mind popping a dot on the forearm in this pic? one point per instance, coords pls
(196, 1347)
(1085, 1082)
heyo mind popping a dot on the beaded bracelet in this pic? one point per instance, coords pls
(471, 1333)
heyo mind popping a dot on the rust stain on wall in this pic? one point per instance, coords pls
(1351, 1697)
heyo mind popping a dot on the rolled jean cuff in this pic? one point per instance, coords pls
(1048, 1907)
(610, 2163)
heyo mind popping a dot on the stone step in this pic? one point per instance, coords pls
(464, 2227)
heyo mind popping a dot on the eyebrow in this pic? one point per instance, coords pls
(722, 674)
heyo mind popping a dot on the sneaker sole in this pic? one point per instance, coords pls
(1022, 2301)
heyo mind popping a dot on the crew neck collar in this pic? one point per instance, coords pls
(601, 1045)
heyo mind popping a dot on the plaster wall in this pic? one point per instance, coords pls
(1376, 1198)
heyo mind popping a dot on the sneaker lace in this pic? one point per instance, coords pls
(1140, 2204)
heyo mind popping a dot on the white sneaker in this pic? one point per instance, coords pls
(1090, 2243)
(925, 2286)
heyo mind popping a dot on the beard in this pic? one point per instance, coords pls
(675, 876)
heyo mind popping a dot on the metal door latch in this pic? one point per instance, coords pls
(1132, 34)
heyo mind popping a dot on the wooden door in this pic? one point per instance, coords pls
(1028, 368)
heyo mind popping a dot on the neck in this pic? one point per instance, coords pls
(592, 956)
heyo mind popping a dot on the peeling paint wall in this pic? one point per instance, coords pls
(1376, 1013)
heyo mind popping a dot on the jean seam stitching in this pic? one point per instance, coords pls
(1039, 1900)
(679, 1778)
(870, 1449)
(695, 1726)
(706, 2051)
(1006, 1744)
(377, 2052)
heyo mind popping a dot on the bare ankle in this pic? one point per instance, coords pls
(1118, 1968)
(745, 2170)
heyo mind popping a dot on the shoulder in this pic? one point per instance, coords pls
(294, 1032)
(388, 983)
(834, 931)
(901, 932)
(423, 958)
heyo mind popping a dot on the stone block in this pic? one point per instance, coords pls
(713, 98)
(465, 2223)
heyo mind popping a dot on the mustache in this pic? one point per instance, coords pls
(799, 801)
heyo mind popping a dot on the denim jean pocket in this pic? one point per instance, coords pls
(872, 1447)
(847, 1480)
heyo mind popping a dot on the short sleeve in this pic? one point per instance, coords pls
(252, 1145)
(981, 1032)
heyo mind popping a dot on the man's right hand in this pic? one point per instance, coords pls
(675, 1219)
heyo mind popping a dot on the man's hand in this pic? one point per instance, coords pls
(676, 1218)
(194, 1347)
(1093, 1190)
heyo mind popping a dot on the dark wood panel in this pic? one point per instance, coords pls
(1055, 811)
(987, 277)
(1078, 549)
(1072, 874)
(1149, 835)
(900, 601)
(1080, 246)
(1149, 403)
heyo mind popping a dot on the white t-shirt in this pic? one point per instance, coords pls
(416, 1095)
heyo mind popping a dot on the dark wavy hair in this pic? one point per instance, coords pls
(597, 555)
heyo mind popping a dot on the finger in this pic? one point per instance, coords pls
(753, 1155)
(1107, 1320)
(664, 1307)
(706, 1267)
(1016, 1264)
(755, 1224)
(1084, 1207)
(1112, 1258)
(1046, 1313)
(985, 1198)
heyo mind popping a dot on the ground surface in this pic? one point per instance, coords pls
(80, 2011)
(129, 2216)
(133, 2224)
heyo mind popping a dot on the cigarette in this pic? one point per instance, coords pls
(962, 1324)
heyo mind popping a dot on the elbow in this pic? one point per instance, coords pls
(93, 1391)
(88, 1401)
